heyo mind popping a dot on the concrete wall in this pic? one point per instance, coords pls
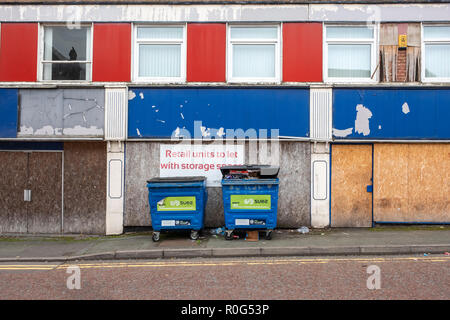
(142, 163)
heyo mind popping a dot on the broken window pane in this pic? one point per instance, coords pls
(64, 44)
(65, 71)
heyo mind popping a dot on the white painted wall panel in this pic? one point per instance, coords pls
(115, 113)
(115, 189)
(320, 113)
(320, 186)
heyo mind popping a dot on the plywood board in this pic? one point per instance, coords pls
(351, 204)
(412, 182)
(13, 176)
(45, 183)
(85, 187)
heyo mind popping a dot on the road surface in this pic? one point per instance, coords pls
(280, 278)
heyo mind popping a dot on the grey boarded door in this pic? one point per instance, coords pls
(31, 192)
(13, 182)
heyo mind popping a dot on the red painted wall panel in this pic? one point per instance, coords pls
(302, 52)
(18, 52)
(112, 52)
(206, 52)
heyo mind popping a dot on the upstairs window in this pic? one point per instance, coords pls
(254, 53)
(350, 53)
(436, 53)
(160, 53)
(66, 53)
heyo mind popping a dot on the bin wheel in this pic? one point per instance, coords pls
(269, 235)
(194, 234)
(228, 234)
(155, 236)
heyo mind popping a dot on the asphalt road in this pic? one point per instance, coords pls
(290, 278)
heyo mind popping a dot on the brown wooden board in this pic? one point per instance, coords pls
(45, 183)
(85, 187)
(411, 182)
(351, 173)
(13, 177)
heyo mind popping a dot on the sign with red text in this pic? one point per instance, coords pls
(182, 160)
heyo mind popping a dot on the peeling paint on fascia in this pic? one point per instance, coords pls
(319, 8)
(220, 132)
(141, 94)
(47, 131)
(342, 133)
(405, 108)
(176, 133)
(358, 7)
(181, 133)
(79, 130)
(205, 131)
(26, 130)
(362, 120)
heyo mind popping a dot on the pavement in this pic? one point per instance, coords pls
(380, 240)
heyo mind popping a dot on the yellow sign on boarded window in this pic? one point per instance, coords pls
(402, 41)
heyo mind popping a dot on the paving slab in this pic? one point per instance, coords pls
(139, 245)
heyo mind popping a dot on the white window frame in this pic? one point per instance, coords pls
(41, 46)
(135, 46)
(423, 51)
(277, 42)
(373, 60)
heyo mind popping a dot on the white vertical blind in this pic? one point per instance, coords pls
(436, 33)
(253, 51)
(437, 51)
(155, 33)
(254, 61)
(349, 51)
(159, 61)
(335, 32)
(437, 60)
(254, 33)
(349, 61)
(160, 51)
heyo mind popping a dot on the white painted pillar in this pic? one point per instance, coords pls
(320, 185)
(115, 133)
(320, 124)
(115, 188)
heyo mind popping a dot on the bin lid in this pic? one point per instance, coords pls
(263, 170)
(176, 179)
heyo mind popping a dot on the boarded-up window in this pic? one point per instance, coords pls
(397, 65)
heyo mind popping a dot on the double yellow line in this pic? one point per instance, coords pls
(212, 263)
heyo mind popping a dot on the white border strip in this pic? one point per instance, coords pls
(226, 13)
